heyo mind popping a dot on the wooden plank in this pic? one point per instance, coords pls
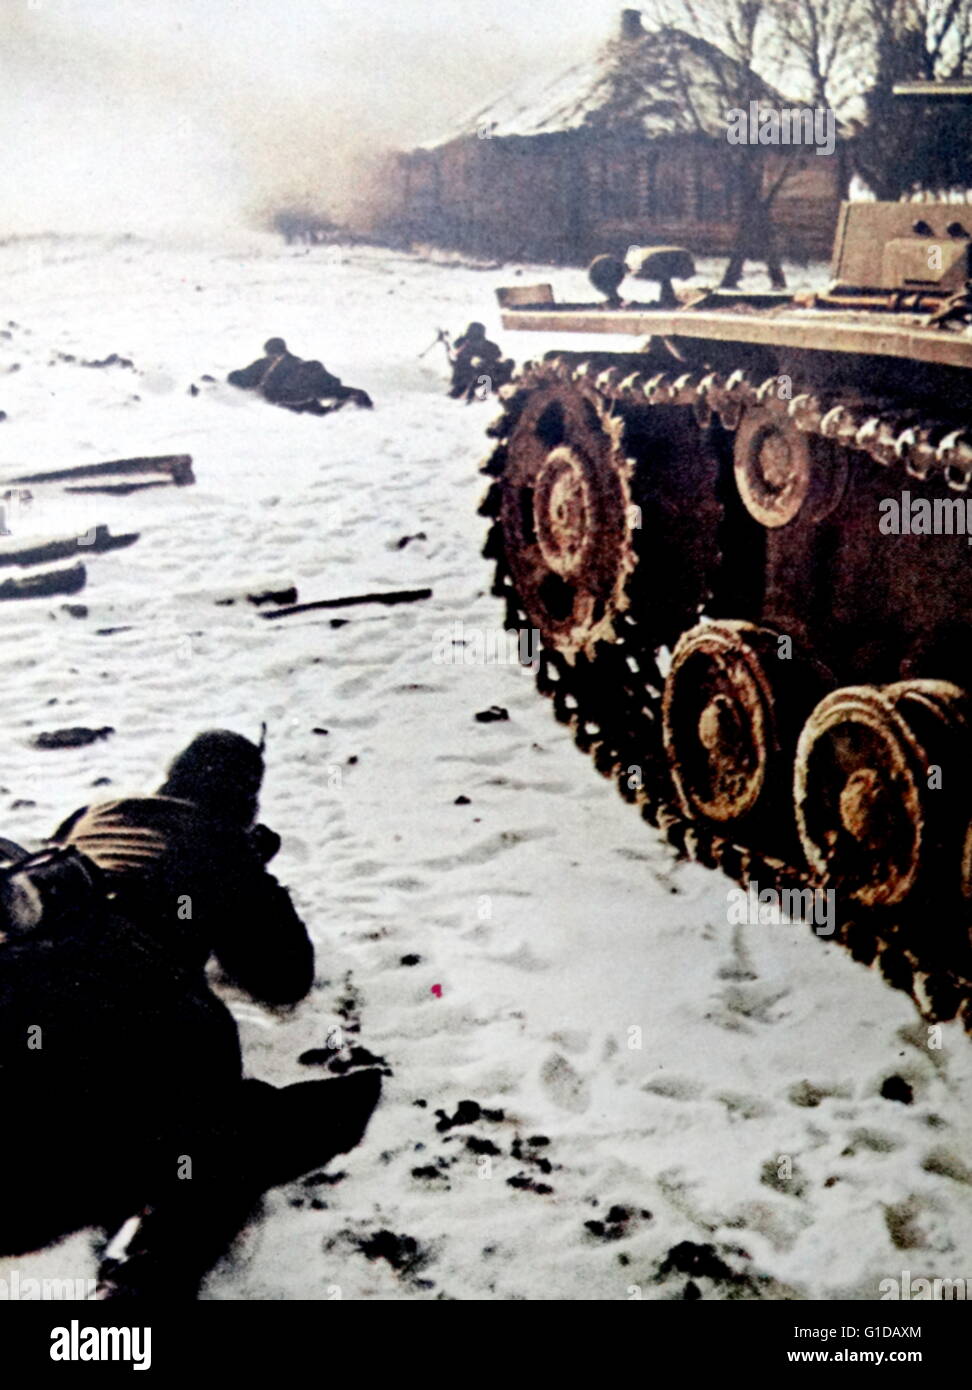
(120, 489)
(77, 737)
(808, 329)
(46, 584)
(282, 595)
(392, 597)
(512, 296)
(46, 551)
(178, 466)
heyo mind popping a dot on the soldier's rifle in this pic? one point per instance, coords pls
(442, 336)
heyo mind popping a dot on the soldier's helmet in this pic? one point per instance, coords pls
(221, 772)
(475, 332)
(274, 346)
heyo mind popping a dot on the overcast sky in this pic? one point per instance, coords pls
(175, 114)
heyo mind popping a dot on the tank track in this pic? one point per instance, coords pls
(912, 449)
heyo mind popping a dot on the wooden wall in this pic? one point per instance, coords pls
(564, 198)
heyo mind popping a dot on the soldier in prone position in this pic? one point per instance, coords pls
(478, 365)
(119, 1067)
(189, 861)
(287, 380)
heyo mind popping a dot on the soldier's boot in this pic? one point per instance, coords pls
(270, 1136)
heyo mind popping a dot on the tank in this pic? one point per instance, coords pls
(746, 544)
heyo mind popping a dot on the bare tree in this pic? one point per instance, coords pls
(745, 32)
(940, 30)
(828, 43)
(852, 52)
(896, 152)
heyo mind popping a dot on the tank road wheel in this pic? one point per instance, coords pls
(782, 472)
(564, 512)
(965, 865)
(877, 775)
(721, 722)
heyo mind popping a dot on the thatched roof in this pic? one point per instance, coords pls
(666, 82)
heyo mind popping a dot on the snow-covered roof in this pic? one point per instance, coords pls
(669, 82)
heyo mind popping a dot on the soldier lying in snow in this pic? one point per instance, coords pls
(285, 379)
(190, 862)
(119, 1069)
(478, 365)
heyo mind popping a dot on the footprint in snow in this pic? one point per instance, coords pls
(563, 1085)
(521, 958)
(739, 967)
(945, 1163)
(572, 1040)
(487, 849)
(808, 1095)
(756, 1002)
(784, 1176)
(918, 1223)
(674, 1088)
(873, 1140)
(743, 1106)
(781, 1227)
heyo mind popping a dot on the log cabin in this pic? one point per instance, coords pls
(630, 148)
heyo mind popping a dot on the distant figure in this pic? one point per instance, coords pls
(251, 378)
(114, 1049)
(287, 380)
(606, 274)
(754, 240)
(303, 383)
(478, 365)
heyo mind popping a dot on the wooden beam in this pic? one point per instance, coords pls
(119, 489)
(178, 466)
(46, 551)
(46, 584)
(392, 597)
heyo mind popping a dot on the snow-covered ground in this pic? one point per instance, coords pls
(644, 1074)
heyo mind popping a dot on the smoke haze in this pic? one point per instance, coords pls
(186, 116)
